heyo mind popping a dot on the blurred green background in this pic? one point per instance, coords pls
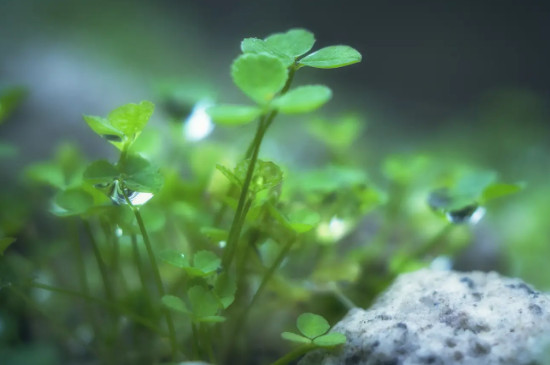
(462, 83)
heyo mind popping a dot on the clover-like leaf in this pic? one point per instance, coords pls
(255, 45)
(73, 201)
(175, 303)
(206, 261)
(100, 172)
(131, 118)
(203, 302)
(266, 175)
(139, 175)
(259, 76)
(228, 114)
(303, 99)
(498, 190)
(330, 340)
(299, 221)
(104, 129)
(5, 242)
(225, 288)
(294, 337)
(293, 43)
(174, 258)
(229, 175)
(331, 57)
(312, 325)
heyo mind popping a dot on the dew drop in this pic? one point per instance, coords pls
(198, 124)
(118, 231)
(470, 214)
(222, 244)
(136, 198)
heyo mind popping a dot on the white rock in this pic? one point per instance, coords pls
(443, 318)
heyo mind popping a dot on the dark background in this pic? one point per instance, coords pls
(431, 69)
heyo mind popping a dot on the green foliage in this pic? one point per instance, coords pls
(123, 125)
(259, 76)
(313, 329)
(303, 99)
(331, 57)
(233, 114)
(5, 242)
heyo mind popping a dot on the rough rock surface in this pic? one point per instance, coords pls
(445, 317)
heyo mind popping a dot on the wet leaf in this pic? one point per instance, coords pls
(331, 57)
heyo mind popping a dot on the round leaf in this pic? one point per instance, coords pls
(294, 337)
(174, 258)
(174, 303)
(203, 302)
(104, 129)
(293, 43)
(139, 175)
(73, 202)
(259, 76)
(331, 57)
(330, 340)
(131, 118)
(206, 261)
(303, 99)
(100, 172)
(233, 114)
(312, 325)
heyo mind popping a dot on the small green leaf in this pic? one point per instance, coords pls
(73, 202)
(259, 76)
(498, 190)
(100, 172)
(131, 118)
(203, 302)
(211, 319)
(139, 175)
(312, 325)
(47, 173)
(206, 261)
(267, 175)
(293, 43)
(174, 258)
(225, 288)
(255, 45)
(331, 57)
(227, 114)
(294, 337)
(215, 234)
(229, 175)
(104, 129)
(174, 303)
(330, 340)
(303, 99)
(5, 243)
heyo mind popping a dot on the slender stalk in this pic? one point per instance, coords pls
(265, 279)
(140, 269)
(196, 345)
(156, 276)
(293, 355)
(109, 293)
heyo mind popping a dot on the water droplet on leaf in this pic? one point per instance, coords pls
(198, 124)
(470, 214)
(136, 198)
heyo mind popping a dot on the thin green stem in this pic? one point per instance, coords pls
(109, 293)
(196, 345)
(293, 355)
(140, 270)
(156, 276)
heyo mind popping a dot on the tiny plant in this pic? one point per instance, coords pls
(192, 259)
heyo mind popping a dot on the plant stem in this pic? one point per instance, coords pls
(156, 276)
(293, 355)
(140, 270)
(109, 293)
